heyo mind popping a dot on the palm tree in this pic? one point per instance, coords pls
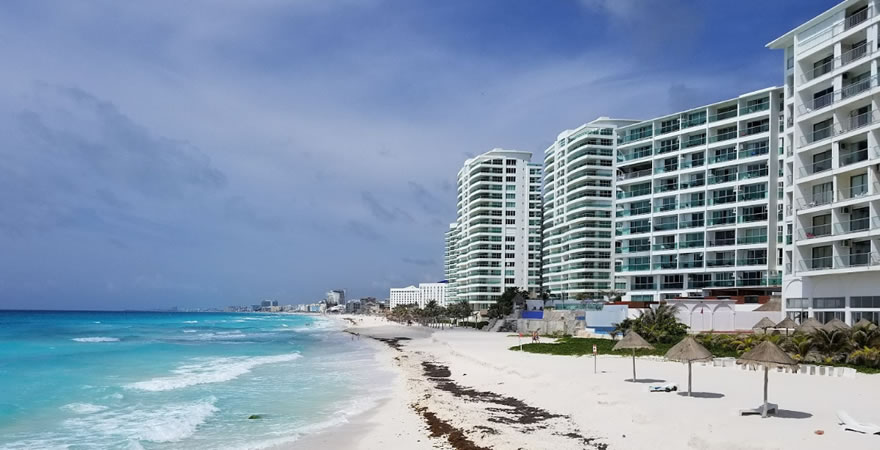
(832, 343)
(865, 337)
(800, 345)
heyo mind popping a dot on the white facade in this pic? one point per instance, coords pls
(497, 235)
(421, 295)
(409, 295)
(432, 292)
(696, 201)
(832, 195)
(578, 210)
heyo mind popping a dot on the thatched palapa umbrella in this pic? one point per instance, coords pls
(787, 324)
(633, 341)
(768, 355)
(865, 323)
(688, 350)
(835, 324)
(809, 326)
(763, 324)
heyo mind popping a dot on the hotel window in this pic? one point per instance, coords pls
(821, 161)
(858, 185)
(510, 170)
(510, 222)
(872, 316)
(829, 303)
(822, 258)
(510, 196)
(865, 302)
(510, 179)
(828, 316)
(822, 194)
(821, 226)
(797, 303)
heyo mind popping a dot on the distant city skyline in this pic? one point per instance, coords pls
(233, 152)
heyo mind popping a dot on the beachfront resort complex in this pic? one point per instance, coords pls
(775, 192)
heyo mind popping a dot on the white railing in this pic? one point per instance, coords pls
(836, 28)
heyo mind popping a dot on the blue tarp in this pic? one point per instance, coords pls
(533, 314)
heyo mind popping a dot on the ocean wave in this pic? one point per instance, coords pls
(83, 408)
(216, 370)
(169, 423)
(190, 321)
(96, 339)
(190, 331)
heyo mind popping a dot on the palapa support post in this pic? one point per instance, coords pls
(634, 365)
(689, 378)
(764, 412)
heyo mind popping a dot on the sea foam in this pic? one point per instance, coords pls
(83, 408)
(216, 370)
(169, 423)
(96, 339)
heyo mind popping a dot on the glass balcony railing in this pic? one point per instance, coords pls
(691, 223)
(822, 263)
(691, 244)
(755, 108)
(747, 218)
(857, 225)
(666, 187)
(669, 128)
(690, 264)
(715, 221)
(644, 287)
(747, 240)
(694, 142)
(721, 262)
(692, 203)
(816, 167)
(749, 152)
(692, 183)
(722, 200)
(632, 212)
(667, 168)
(666, 265)
(692, 163)
(666, 226)
(630, 194)
(723, 136)
(632, 230)
(665, 207)
(753, 174)
(624, 156)
(853, 157)
(665, 246)
(666, 148)
(854, 191)
(634, 267)
(716, 179)
(755, 130)
(723, 115)
(693, 121)
(722, 242)
(722, 157)
(632, 249)
(749, 196)
(638, 136)
(752, 262)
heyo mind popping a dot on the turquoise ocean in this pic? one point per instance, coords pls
(123, 380)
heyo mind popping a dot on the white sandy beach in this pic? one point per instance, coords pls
(565, 405)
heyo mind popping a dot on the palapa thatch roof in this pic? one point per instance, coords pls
(766, 354)
(632, 340)
(835, 324)
(688, 350)
(809, 326)
(787, 323)
(865, 323)
(763, 324)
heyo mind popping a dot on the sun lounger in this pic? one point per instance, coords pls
(850, 424)
(771, 409)
(668, 387)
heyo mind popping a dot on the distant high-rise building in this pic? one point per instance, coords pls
(495, 242)
(336, 296)
(409, 295)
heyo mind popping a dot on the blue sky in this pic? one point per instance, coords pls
(218, 152)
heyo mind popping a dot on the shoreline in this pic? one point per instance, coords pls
(463, 389)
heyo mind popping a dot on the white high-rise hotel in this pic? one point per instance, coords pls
(696, 207)
(832, 193)
(579, 209)
(495, 242)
